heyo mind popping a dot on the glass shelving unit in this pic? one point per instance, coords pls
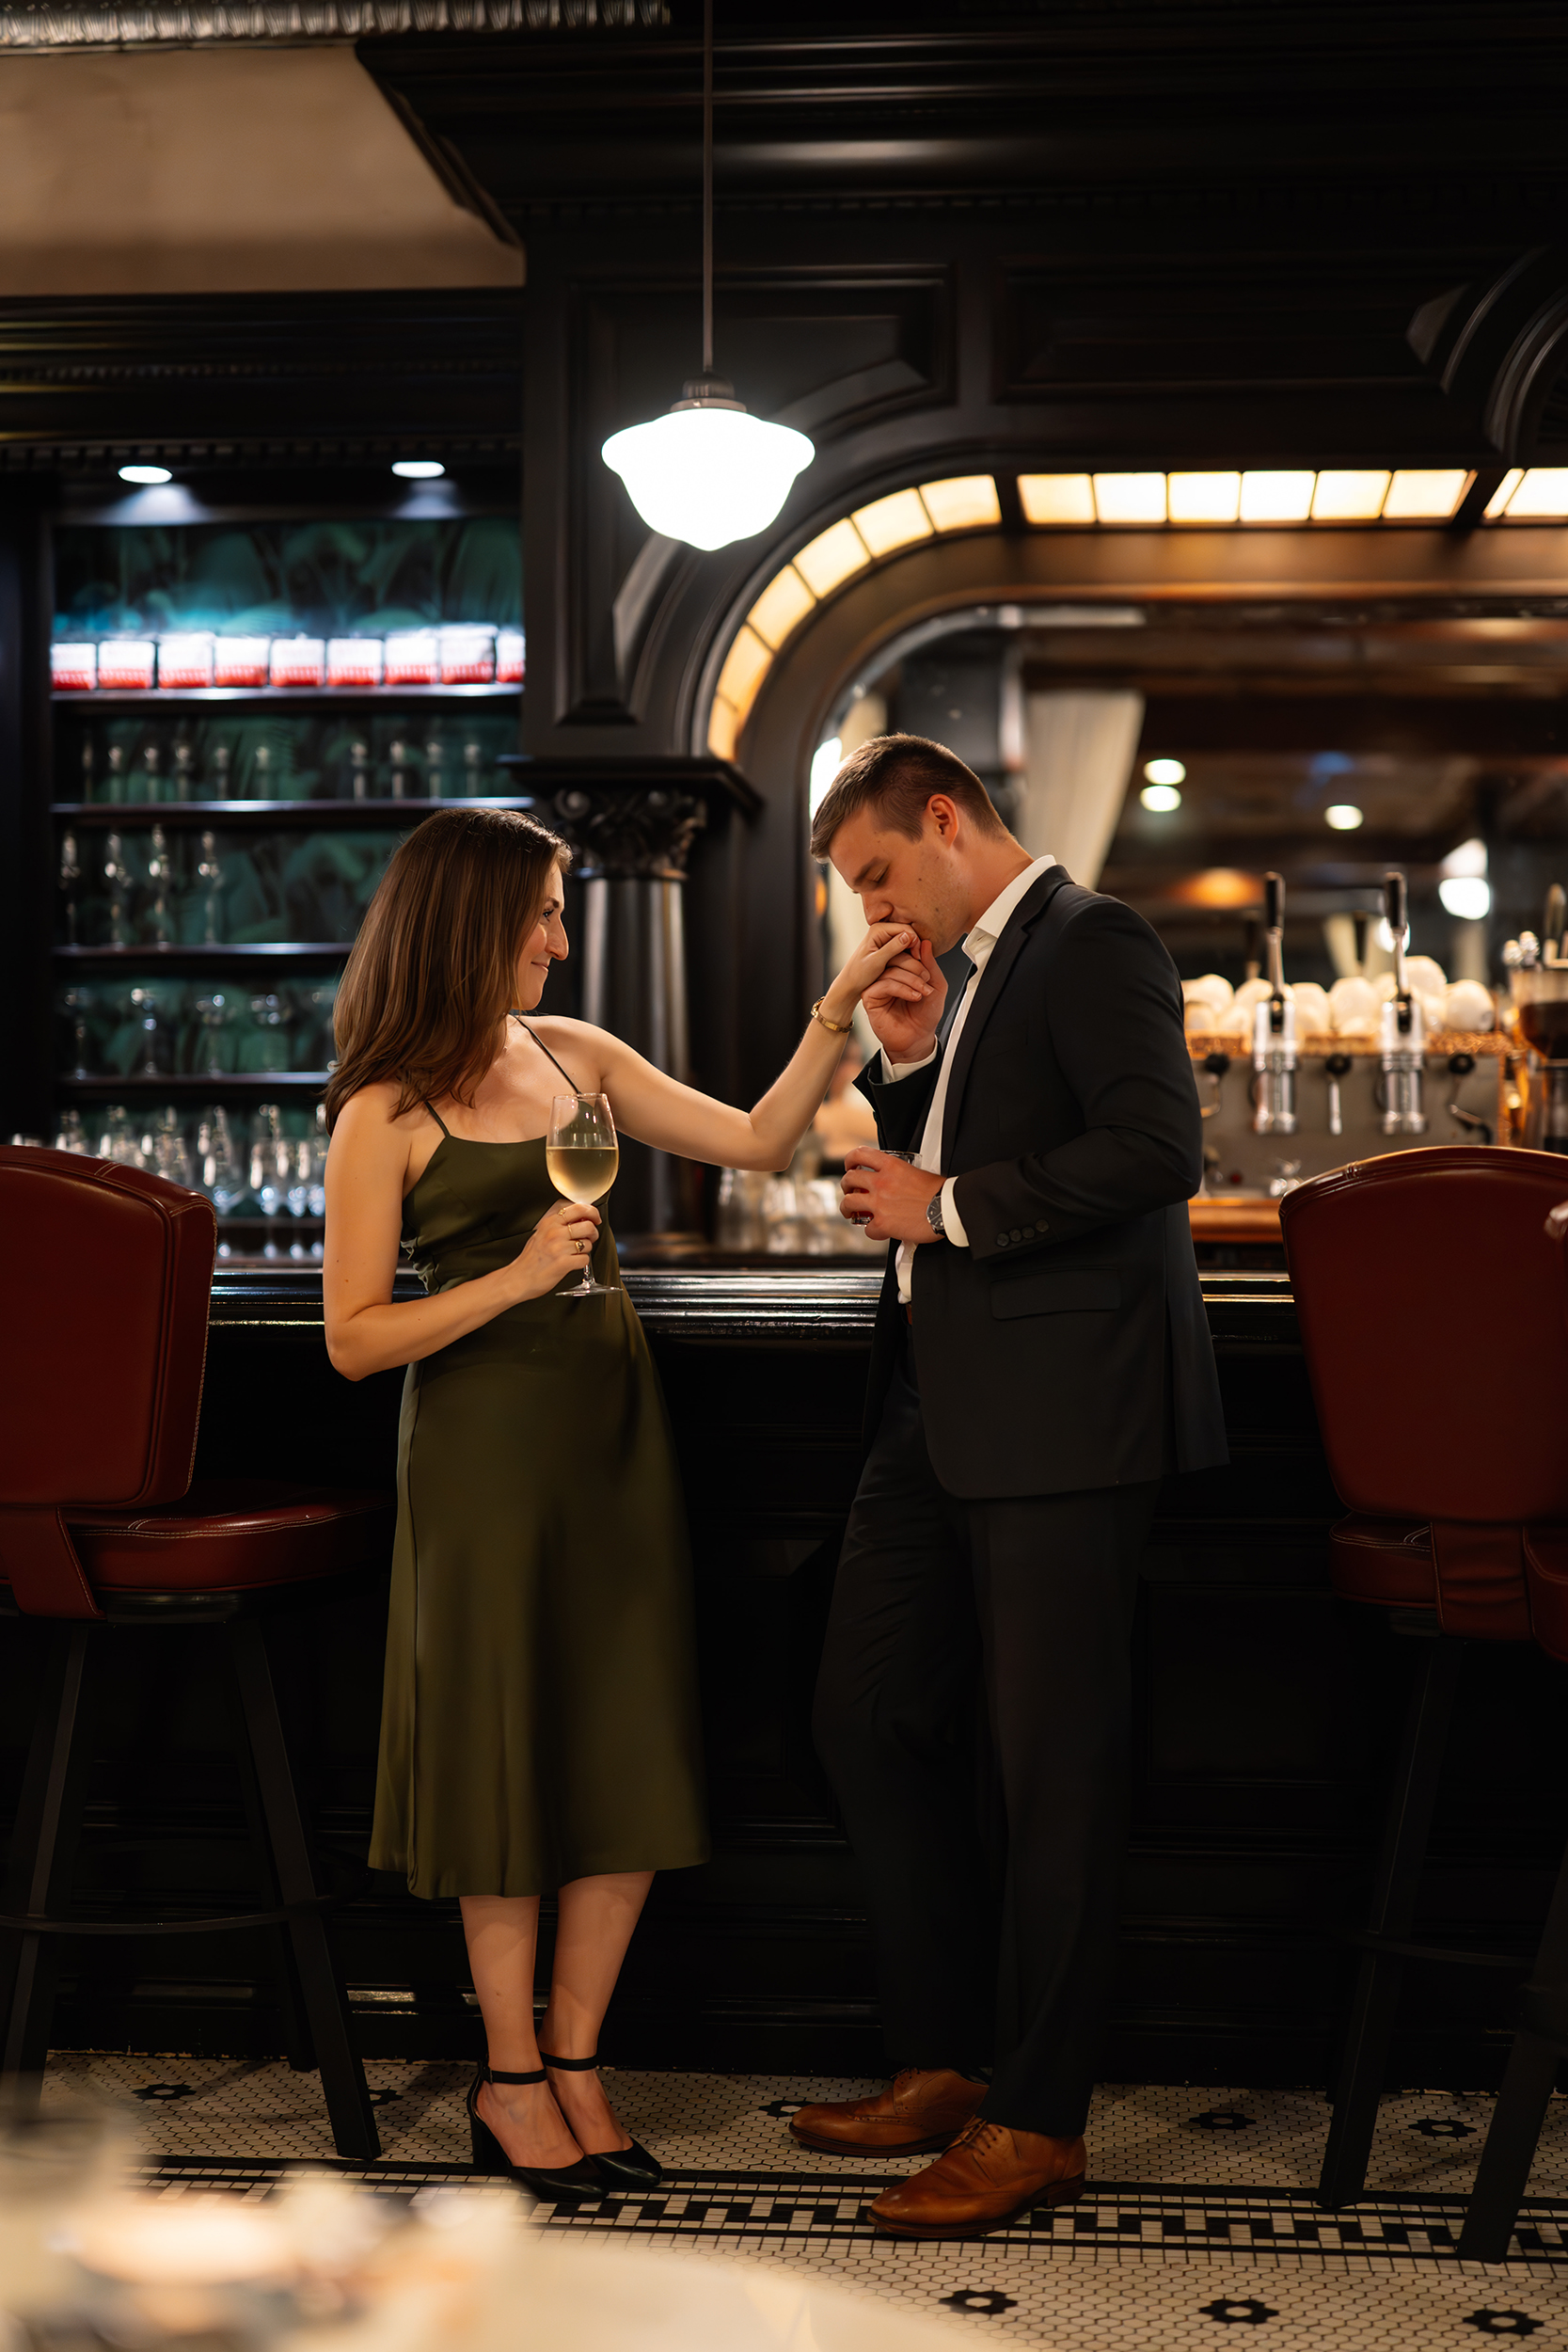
(215, 846)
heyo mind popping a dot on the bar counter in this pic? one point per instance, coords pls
(1266, 1715)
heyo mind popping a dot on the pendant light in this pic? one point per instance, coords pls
(707, 472)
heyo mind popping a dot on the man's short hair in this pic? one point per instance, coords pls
(894, 776)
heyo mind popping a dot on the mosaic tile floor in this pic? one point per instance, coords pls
(1199, 2215)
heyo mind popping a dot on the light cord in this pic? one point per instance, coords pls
(708, 187)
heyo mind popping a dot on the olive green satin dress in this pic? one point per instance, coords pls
(539, 1722)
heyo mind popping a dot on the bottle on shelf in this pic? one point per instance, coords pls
(88, 790)
(473, 769)
(435, 779)
(70, 1135)
(398, 761)
(114, 789)
(152, 774)
(184, 770)
(221, 764)
(359, 771)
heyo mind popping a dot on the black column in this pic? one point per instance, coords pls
(633, 846)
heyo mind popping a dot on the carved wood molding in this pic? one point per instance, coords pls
(294, 21)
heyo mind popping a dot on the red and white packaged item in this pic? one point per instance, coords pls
(126, 664)
(185, 661)
(299, 660)
(510, 657)
(241, 660)
(72, 669)
(467, 656)
(354, 661)
(413, 657)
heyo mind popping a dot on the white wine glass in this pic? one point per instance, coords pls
(581, 1157)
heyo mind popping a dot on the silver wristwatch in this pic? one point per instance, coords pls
(933, 1216)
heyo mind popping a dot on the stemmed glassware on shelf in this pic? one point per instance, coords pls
(71, 879)
(272, 1010)
(144, 1003)
(209, 873)
(171, 1154)
(77, 1002)
(211, 1008)
(117, 878)
(160, 873)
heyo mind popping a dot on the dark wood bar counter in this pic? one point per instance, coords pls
(1266, 1714)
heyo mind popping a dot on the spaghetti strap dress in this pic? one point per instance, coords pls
(539, 1718)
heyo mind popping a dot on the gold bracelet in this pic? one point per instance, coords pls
(839, 1028)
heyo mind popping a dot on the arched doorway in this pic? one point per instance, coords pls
(1403, 636)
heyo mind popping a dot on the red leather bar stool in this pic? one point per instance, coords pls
(109, 1273)
(1433, 1262)
(1541, 2041)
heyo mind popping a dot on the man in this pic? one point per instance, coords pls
(1041, 1357)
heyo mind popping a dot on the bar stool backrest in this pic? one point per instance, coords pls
(1431, 1306)
(109, 1272)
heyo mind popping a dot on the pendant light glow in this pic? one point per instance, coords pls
(707, 472)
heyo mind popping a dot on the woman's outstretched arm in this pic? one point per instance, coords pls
(658, 1109)
(367, 1172)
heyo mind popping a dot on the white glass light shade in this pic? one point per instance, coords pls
(1467, 896)
(708, 475)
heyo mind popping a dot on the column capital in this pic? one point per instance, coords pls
(628, 833)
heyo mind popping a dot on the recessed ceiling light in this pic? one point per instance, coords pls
(419, 468)
(148, 476)
(1344, 817)
(1164, 772)
(1161, 799)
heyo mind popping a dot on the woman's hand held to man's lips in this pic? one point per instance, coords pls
(905, 1006)
(893, 1192)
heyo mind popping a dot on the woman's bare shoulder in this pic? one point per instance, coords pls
(566, 1037)
(370, 1117)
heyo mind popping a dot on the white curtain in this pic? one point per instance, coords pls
(1079, 752)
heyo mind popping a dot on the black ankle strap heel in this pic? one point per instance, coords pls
(623, 2169)
(561, 2184)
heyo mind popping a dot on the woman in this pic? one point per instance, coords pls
(539, 1726)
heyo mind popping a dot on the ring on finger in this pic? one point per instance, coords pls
(581, 1247)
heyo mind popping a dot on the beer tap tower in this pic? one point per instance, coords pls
(1274, 1029)
(1403, 1034)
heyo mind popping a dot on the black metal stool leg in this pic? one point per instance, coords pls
(348, 2101)
(43, 1846)
(1365, 2054)
(1503, 2173)
(298, 2047)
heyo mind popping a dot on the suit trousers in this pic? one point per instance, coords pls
(973, 1715)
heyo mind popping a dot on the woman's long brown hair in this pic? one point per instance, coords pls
(429, 983)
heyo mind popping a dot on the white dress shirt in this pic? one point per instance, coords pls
(977, 946)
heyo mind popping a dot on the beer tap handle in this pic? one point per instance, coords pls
(1554, 923)
(1274, 925)
(1394, 914)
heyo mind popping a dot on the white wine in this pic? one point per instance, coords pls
(583, 1171)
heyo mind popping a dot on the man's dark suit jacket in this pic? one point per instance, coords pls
(1071, 1126)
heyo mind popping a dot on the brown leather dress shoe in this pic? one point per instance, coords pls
(925, 2109)
(990, 2175)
